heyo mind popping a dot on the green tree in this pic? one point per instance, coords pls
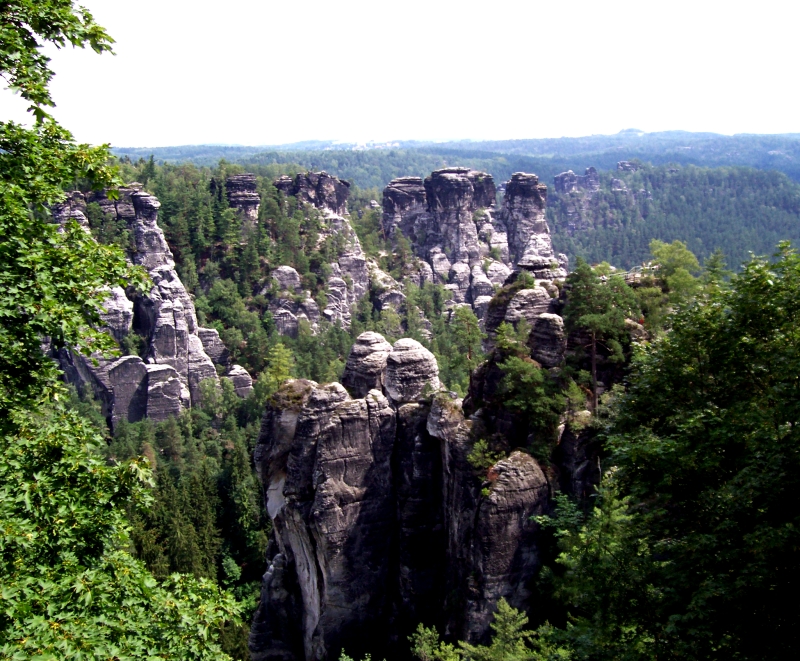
(697, 525)
(511, 641)
(598, 309)
(467, 334)
(70, 589)
(673, 256)
(280, 363)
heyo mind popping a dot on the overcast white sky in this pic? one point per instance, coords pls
(266, 72)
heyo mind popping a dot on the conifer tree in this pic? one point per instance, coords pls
(599, 309)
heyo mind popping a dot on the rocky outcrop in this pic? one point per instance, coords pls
(379, 519)
(242, 192)
(287, 279)
(242, 381)
(366, 364)
(568, 182)
(348, 281)
(411, 371)
(467, 244)
(319, 189)
(492, 540)
(214, 346)
(166, 379)
(548, 340)
(448, 220)
(166, 315)
(529, 242)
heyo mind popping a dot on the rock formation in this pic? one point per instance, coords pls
(166, 379)
(568, 182)
(349, 276)
(464, 242)
(522, 215)
(242, 192)
(380, 521)
(583, 202)
(319, 189)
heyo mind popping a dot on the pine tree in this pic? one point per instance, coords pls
(599, 309)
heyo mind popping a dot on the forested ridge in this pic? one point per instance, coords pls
(735, 209)
(547, 157)
(739, 210)
(680, 384)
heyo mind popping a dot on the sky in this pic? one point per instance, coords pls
(266, 72)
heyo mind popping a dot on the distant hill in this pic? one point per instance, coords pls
(737, 209)
(738, 193)
(373, 165)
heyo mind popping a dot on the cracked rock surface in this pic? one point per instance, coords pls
(379, 521)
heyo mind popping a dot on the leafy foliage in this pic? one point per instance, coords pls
(511, 641)
(599, 309)
(70, 590)
(695, 535)
(734, 209)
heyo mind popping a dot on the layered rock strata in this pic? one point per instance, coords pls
(166, 379)
(242, 193)
(379, 519)
(529, 241)
(348, 281)
(463, 240)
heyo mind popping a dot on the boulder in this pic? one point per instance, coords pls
(213, 346)
(411, 371)
(287, 279)
(528, 304)
(366, 364)
(242, 381)
(548, 341)
(480, 285)
(167, 396)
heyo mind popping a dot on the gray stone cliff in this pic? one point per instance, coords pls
(178, 355)
(348, 281)
(380, 521)
(463, 240)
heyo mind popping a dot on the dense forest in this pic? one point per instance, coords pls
(735, 209)
(149, 542)
(545, 157)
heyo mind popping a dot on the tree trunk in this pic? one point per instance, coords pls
(594, 373)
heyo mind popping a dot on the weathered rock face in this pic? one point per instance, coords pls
(319, 189)
(242, 192)
(287, 279)
(214, 346)
(548, 340)
(328, 477)
(166, 315)
(529, 241)
(577, 456)
(175, 362)
(465, 243)
(242, 381)
(410, 370)
(349, 278)
(448, 220)
(366, 364)
(379, 521)
(568, 181)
